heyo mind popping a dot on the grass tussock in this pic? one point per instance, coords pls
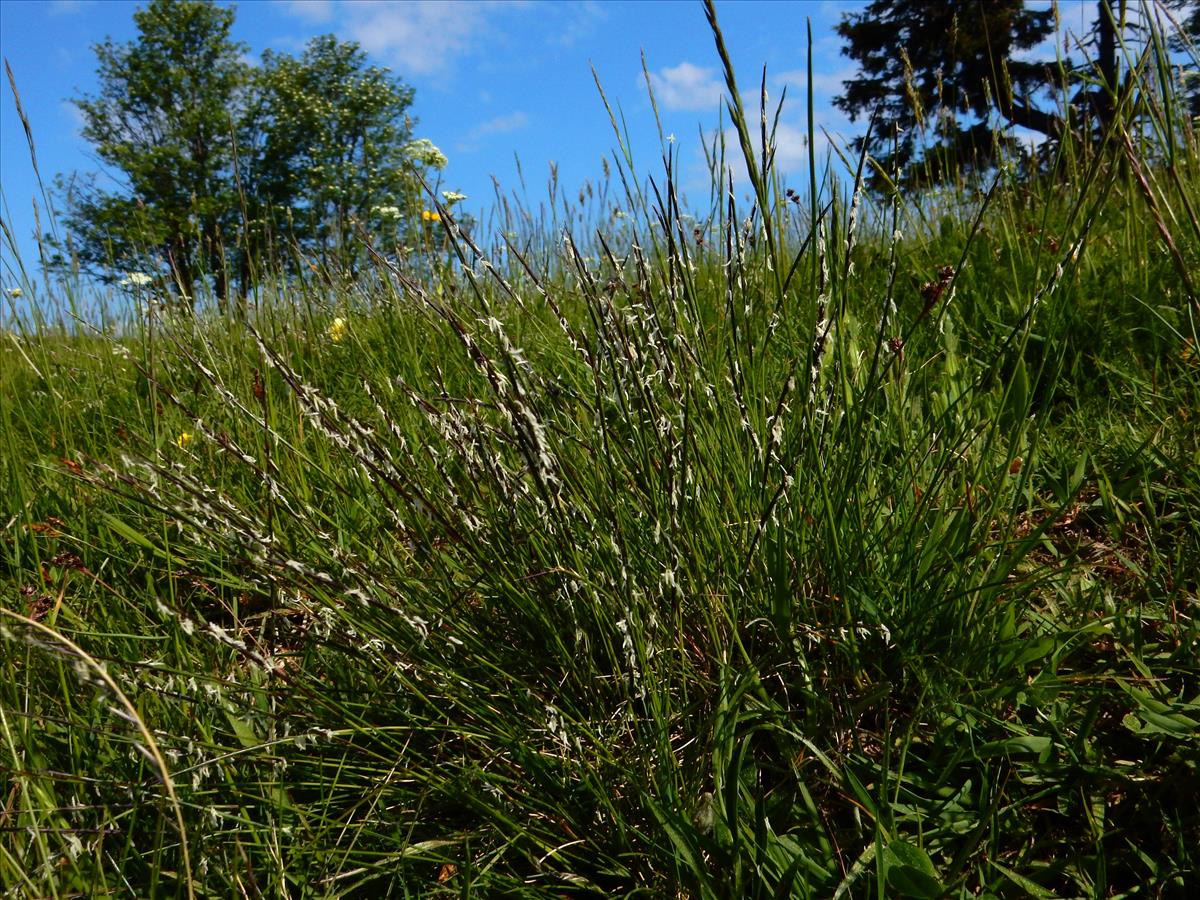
(837, 544)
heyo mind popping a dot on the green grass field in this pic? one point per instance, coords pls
(849, 549)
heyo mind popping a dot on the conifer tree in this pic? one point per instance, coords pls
(935, 69)
(941, 75)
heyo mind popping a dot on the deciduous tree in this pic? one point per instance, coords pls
(333, 149)
(217, 163)
(161, 124)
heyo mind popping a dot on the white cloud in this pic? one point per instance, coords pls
(791, 149)
(687, 86)
(501, 124)
(416, 38)
(317, 11)
(791, 152)
(74, 115)
(505, 124)
(579, 21)
(825, 84)
(835, 9)
(67, 7)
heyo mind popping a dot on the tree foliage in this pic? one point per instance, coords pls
(161, 124)
(1187, 44)
(949, 80)
(939, 74)
(219, 163)
(334, 147)
(931, 71)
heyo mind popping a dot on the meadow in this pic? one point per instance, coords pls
(805, 540)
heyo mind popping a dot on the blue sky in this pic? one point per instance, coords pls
(494, 80)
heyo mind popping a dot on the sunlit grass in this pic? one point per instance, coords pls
(847, 549)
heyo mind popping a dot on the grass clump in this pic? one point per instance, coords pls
(834, 546)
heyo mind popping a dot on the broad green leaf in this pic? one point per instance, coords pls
(129, 533)
(1016, 746)
(1032, 887)
(244, 730)
(910, 871)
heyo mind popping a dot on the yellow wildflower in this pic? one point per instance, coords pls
(337, 329)
(429, 216)
(185, 438)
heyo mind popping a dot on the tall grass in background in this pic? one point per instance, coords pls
(817, 545)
